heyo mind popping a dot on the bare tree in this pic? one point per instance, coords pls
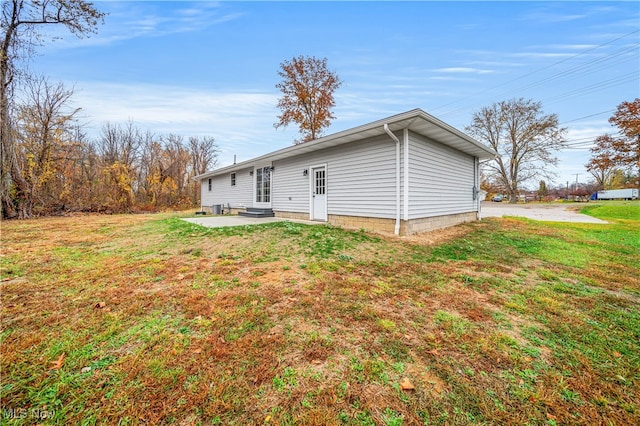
(175, 173)
(524, 138)
(84, 193)
(204, 156)
(44, 144)
(20, 21)
(307, 88)
(120, 143)
(119, 147)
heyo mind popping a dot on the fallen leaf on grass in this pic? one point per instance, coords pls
(100, 305)
(617, 354)
(57, 364)
(406, 384)
(433, 352)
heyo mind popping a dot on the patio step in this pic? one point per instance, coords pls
(256, 212)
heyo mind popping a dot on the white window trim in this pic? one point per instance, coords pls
(253, 182)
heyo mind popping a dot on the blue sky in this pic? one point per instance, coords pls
(210, 68)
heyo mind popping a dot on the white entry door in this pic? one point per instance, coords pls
(319, 193)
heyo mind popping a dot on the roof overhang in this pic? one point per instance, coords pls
(415, 120)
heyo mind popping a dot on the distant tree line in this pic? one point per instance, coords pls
(49, 165)
(124, 169)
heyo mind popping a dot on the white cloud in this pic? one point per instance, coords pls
(128, 20)
(550, 15)
(536, 55)
(464, 70)
(497, 64)
(588, 131)
(573, 46)
(241, 122)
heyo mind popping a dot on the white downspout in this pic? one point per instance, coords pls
(392, 136)
(405, 167)
(476, 186)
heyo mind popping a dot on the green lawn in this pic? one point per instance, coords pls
(149, 319)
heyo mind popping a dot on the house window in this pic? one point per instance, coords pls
(320, 182)
(233, 179)
(263, 185)
(209, 184)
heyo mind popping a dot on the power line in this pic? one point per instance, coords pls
(583, 68)
(587, 116)
(595, 87)
(615, 54)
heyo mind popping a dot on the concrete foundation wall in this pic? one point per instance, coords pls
(426, 224)
(375, 224)
(292, 215)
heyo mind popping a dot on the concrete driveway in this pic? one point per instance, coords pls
(542, 212)
(232, 220)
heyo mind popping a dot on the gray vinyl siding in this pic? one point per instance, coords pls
(290, 187)
(240, 195)
(441, 179)
(360, 179)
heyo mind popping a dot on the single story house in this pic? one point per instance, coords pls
(405, 174)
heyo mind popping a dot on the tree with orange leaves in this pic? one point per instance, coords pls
(627, 120)
(603, 162)
(307, 87)
(610, 152)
